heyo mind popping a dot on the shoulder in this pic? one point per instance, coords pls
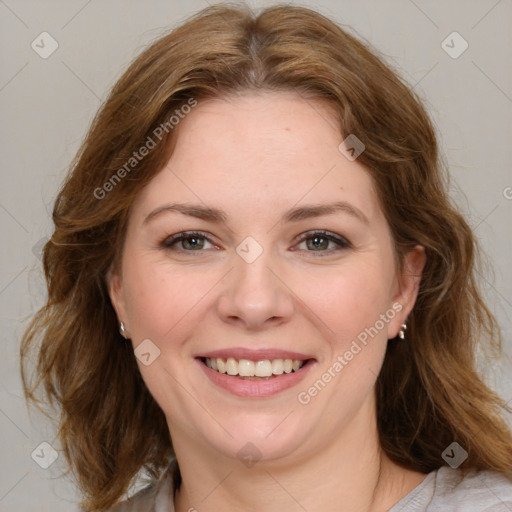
(157, 496)
(455, 490)
(143, 500)
(479, 491)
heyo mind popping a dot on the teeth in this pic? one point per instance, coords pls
(231, 366)
(245, 368)
(221, 365)
(263, 368)
(248, 368)
(278, 366)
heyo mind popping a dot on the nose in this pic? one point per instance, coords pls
(255, 296)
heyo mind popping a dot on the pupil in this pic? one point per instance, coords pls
(319, 242)
(192, 242)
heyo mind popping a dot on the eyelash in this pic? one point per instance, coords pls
(342, 243)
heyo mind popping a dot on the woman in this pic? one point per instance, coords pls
(259, 291)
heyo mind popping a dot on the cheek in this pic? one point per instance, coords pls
(167, 305)
(352, 304)
(349, 299)
(162, 299)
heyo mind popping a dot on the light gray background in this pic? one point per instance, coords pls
(47, 105)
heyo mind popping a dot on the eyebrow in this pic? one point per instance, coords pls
(294, 215)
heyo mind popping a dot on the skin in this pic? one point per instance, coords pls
(256, 156)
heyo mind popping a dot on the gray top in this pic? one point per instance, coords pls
(442, 490)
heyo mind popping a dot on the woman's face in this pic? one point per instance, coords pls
(261, 249)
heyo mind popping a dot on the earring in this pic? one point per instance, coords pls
(401, 332)
(122, 330)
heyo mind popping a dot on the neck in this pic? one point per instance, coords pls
(350, 474)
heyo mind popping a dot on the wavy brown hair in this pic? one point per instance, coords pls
(428, 393)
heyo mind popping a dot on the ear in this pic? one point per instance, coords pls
(115, 291)
(406, 288)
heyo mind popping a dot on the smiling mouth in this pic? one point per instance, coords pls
(246, 369)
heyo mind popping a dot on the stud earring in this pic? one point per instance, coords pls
(122, 330)
(401, 332)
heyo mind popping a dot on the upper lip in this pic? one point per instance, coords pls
(254, 354)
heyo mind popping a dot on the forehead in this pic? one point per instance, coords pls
(257, 150)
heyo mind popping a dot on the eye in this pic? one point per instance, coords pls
(188, 241)
(322, 241)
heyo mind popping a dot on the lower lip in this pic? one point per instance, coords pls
(256, 388)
